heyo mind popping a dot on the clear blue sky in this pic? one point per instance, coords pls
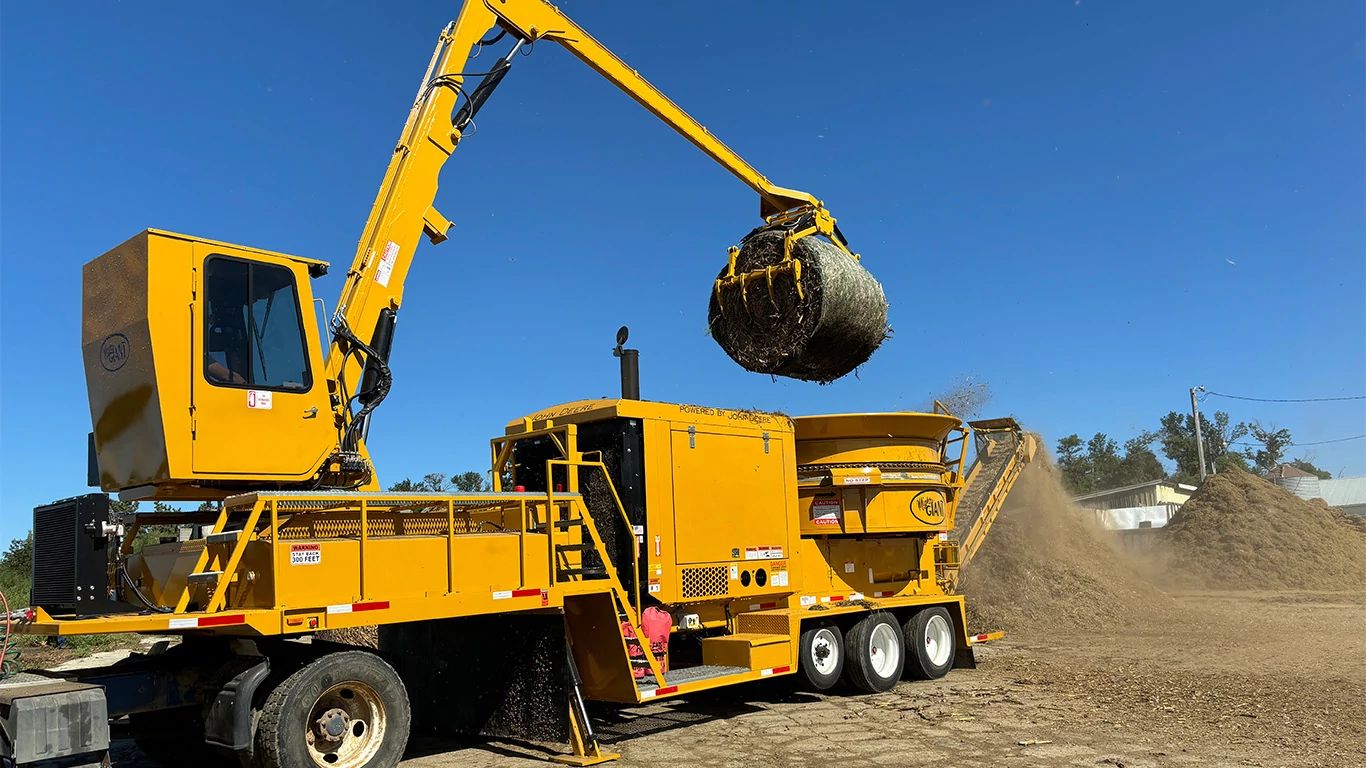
(1090, 206)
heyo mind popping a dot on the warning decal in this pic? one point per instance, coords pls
(763, 553)
(305, 554)
(385, 268)
(825, 511)
(259, 399)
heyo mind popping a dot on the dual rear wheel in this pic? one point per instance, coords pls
(875, 652)
(342, 710)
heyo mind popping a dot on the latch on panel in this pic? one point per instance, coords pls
(692, 437)
(765, 442)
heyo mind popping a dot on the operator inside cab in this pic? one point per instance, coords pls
(253, 332)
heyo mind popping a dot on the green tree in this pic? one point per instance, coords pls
(1274, 442)
(432, 483)
(1308, 466)
(438, 482)
(150, 534)
(1177, 438)
(1073, 463)
(16, 571)
(469, 482)
(1098, 464)
(1140, 463)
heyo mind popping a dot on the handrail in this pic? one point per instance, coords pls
(633, 611)
(591, 524)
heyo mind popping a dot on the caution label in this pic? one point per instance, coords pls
(305, 554)
(763, 553)
(825, 511)
(385, 268)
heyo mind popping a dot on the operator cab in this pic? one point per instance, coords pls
(204, 367)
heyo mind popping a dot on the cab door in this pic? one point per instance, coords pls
(259, 404)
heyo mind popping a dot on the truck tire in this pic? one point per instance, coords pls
(929, 643)
(876, 653)
(347, 709)
(822, 656)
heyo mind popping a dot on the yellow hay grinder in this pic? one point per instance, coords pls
(628, 550)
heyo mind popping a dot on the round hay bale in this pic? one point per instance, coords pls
(836, 328)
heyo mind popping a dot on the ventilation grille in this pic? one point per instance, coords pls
(709, 581)
(332, 527)
(761, 623)
(54, 553)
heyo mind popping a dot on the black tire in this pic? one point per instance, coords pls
(930, 643)
(818, 644)
(357, 684)
(875, 653)
(175, 737)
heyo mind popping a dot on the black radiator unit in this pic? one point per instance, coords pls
(71, 556)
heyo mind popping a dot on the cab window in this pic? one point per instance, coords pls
(253, 330)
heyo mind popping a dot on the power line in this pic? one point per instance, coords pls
(1287, 399)
(1300, 445)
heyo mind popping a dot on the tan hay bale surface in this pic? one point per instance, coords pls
(837, 326)
(1240, 531)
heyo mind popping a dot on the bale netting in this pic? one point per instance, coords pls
(835, 329)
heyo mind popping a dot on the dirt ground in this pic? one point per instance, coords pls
(1237, 679)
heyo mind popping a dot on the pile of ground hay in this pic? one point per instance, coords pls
(365, 637)
(828, 332)
(1047, 565)
(1242, 532)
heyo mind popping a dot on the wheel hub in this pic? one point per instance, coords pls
(333, 724)
(823, 652)
(346, 726)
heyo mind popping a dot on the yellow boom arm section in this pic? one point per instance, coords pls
(403, 209)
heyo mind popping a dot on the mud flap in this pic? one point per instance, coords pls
(965, 657)
(227, 723)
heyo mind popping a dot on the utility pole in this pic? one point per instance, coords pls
(1199, 438)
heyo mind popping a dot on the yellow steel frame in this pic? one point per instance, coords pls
(404, 209)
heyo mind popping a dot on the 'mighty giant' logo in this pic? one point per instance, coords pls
(928, 507)
(114, 351)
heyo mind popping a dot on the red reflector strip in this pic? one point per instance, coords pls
(218, 621)
(207, 621)
(374, 605)
(509, 593)
(666, 690)
(836, 598)
(884, 594)
(762, 606)
(774, 671)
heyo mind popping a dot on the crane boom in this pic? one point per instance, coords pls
(404, 207)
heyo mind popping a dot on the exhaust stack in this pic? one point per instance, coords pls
(630, 366)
